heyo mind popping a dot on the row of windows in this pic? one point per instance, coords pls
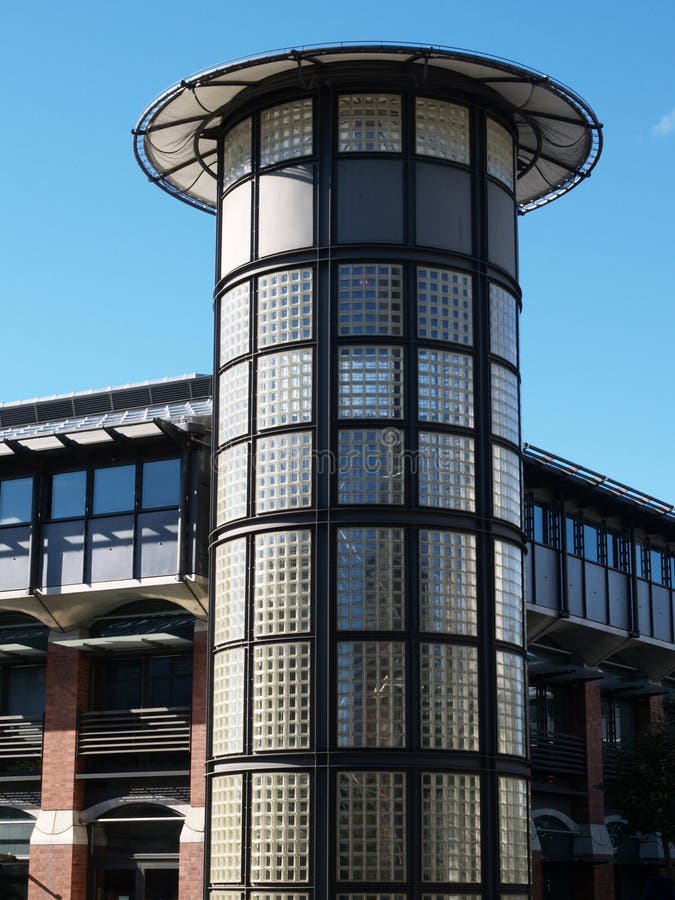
(598, 543)
(370, 384)
(371, 465)
(371, 568)
(367, 123)
(370, 303)
(261, 895)
(99, 491)
(371, 697)
(371, 811)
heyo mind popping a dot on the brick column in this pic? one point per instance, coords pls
(595, 878)
(191, 864)
(58, 854)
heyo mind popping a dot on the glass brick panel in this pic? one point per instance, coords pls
(369, 123)
(450, 827)
(284, 307)
(370, 579)
(370, 300)
(441, 130)
(444, 306)
(372, 897)
(233, 393)
(514, 858)
(232, 483)
(228, 701)
(448, 594)
(230, 591)
(446, 471)
(370, 466)
(256, 895)
(283, 578)
(234, 323)
(284, 388)
(286, 131)
(371, 694)
(283, 474)
(505, 404)
(226, 828)
(280, 827)
(237, 155)
(506, 492)
(371, 826)
(370, 382)
(445, 387)
(508, 593)
(281, 696)
(500, 153)
(511, 704)
(449, 697)
(226, 895)
(450, 897)
(503, 324)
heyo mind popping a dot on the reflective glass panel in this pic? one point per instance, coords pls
(508, 593)
(446, 471)
(444, 306)
(370, 466)
(505, 403)
(370, 579)
(441, 130)
(69, 490)
(449, 697)
(511, 704)
(448, 593)
(450, 827)
(514, 844)
(369, 123)
(114, 489)
(503, 324)
(445, 387)
(500, 153)
(370, 300)
(371, 694)
(370, 382)
(16, 501)
(506, 490)
(161, 483)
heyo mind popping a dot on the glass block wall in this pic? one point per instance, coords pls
(367, 700)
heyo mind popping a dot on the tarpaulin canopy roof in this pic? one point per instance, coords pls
(559, 135)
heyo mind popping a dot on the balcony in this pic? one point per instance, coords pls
(160, 730)
(557, 753)
(21, 737)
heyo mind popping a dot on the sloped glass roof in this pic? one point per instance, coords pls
(559, 135)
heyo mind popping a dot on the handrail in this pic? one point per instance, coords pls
(556, 751)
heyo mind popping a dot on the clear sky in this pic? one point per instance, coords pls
(104, 279)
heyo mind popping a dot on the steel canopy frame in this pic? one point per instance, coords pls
(559, 135)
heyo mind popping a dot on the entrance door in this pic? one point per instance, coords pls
(141, 881)
(161, 884)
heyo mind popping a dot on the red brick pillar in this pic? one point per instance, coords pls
(595, 878)
(58, 853)
(191, 864)
(647, 712)
(537, 884)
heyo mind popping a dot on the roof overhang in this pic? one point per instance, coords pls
(559, 135)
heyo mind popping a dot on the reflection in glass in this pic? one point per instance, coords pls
(114, 489)
(161, 483)
(68, 494)
(16, 496)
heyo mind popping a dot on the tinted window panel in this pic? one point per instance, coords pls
(114, 489)
(170, 681)
(25, 691)
(69, 491)
(15, 501)
(161, 483)
(118, 684)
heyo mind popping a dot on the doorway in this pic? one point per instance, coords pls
(137, 881)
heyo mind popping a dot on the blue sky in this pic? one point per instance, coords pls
(105, 279)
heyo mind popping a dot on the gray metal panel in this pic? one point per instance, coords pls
(157, 547)
(529, 575)
(14, 550)
(661, 612)
(596, 592)
(62, 553)
(110, 549)
(501, 228)
(575, 596)
(370, 201)
(618, 600)
(546, 575)
(286, 210)
(443, 207)
(236, 228)
(644, 621)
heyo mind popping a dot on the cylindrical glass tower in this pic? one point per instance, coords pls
(367, 693)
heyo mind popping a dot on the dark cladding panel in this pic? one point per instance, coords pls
(528, 573)
(644, 618)
(286, 210)
(501, 229)
(575, 586)
(596, 593)
(661, 613)
(546, 577)
(14, 548)
(63, 553)
(236, 229)
(110, 549)
(157, 548)
(443, 207)
(370, 201)
(618, 600)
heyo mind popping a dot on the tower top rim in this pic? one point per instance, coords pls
(559, 137)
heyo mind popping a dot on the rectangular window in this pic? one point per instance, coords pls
(441, 130)
(369, 300)
(226, 828)
(284, 388)
(505, 404)
(370, 382)
(544, 527)
(450, 838)
(161, 484)
(283, 577)
(232, 481)
(233, 393)
(508, 593)
(280, 827)
(592, 543)
(69, 495)
(641, 560)
(234, 323)
(370, 466)
(369, 123)
(370, 579)
(503, 324)
(445, 387)
(114, 489)
(371, 694)
(657, 569)
(286, 131)
(617, 551)
(284, 307)
(444, 306)
(510, 704)
(229, 667)
(281, 696)
(230, 591)
(16, 501)
(449, 697)
(283, 472)
(446, 471)
(371, 826)
(447, 586)
(572, 535)
(514, 843)
(506, 490)
(500, 153)
(237, 156)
